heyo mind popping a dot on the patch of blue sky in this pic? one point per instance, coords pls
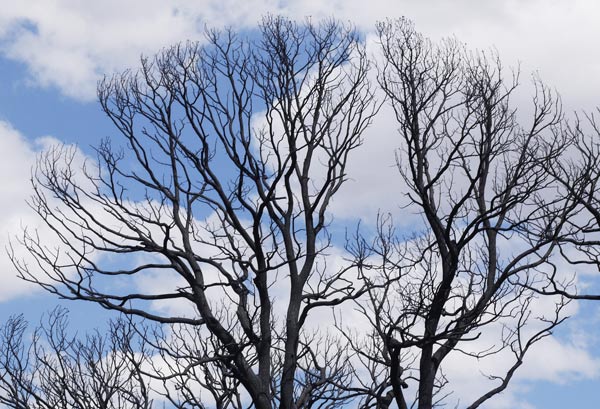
(43, 111)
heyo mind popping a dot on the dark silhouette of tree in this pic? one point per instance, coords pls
(239, 147)
(51, 369)
(498, 216)
(234, 150)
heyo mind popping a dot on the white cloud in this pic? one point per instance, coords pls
(70, 44)
(18, 160)
(15, 170)
(555, 360)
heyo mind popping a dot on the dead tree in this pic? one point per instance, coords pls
(577, 176)
(233, 151)
(239, 145)
(51, 369)
(492, 221)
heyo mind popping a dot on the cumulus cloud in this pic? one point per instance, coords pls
(19, 159)
(15, 170)
(552, 359)
(70, 45)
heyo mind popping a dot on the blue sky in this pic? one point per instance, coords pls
(52, 53)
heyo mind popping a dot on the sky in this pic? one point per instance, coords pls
(53, 52)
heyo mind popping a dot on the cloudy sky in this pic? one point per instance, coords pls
(52, 53)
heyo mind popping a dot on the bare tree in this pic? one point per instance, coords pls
(577, 174)
(135, 365)
(494, 222)
(50, 369)
(239, 146)
(234, 150)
